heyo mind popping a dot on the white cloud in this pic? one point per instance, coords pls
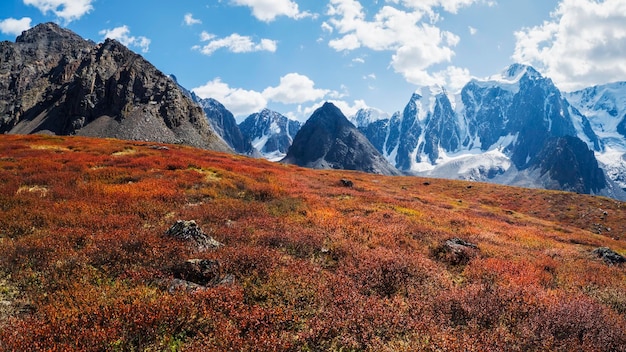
(455, 78)
(234, 43)
(370, 76)
(358, 60)
(206, 36)
(584, 43)
(68, 10)
(294, 88)
(268, 10)
(416, 42)
(190, 21)
(451, 6)
(326, 27)
(347, 108)
(122, 34)
(240, 102)
(12, 26)
(472, 30)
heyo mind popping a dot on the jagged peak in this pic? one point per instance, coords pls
(50, 33)
(365, 116)
(517, 71)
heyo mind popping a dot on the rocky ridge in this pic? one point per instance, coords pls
(54, 81)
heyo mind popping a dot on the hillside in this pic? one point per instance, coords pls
(90, 259)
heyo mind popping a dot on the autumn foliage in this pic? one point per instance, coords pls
(308, 263)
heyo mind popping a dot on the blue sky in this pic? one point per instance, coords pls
(292, 55)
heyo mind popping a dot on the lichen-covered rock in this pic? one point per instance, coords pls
(609, 256)
(189, 231)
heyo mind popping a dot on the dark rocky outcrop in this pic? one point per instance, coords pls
(346, 183)
(189, 231)
(53, 81)
(329, 141)
(609, 256)
(203, 272)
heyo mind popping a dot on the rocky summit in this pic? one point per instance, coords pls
(270, 132)
(55, 82)
(329, 141)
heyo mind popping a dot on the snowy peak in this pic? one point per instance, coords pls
(510, 78)
(364, 117)
(605, 105)
(270, 132)
(515, 72)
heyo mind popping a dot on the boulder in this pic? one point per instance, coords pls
(346, 183)
(609, 256)
(189, 231)
(204, 272)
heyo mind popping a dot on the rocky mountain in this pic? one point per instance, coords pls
(224, 123)
(54, 81)
(270, 132)
(503, 129)
(605, 106)
(329, 141)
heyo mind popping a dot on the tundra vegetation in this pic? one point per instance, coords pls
(303, 261)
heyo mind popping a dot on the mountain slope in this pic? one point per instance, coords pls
(605, 105)
(329, 141)
(59, 83)
(270, 132)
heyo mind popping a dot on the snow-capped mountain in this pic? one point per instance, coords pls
(270, 132)
(495, 130)
(365, 117)
(605, 106)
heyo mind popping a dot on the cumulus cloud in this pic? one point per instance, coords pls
(408, 30)
(234, 43)
(581, 45)
(326, 27)
(12, 26)
(348, 109)
(122, 34)
(240, 102)
(268, 10)
(68, 10)
(294, 88)
(451, 6)
(190, 21)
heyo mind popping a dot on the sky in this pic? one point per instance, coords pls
(293, 55)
